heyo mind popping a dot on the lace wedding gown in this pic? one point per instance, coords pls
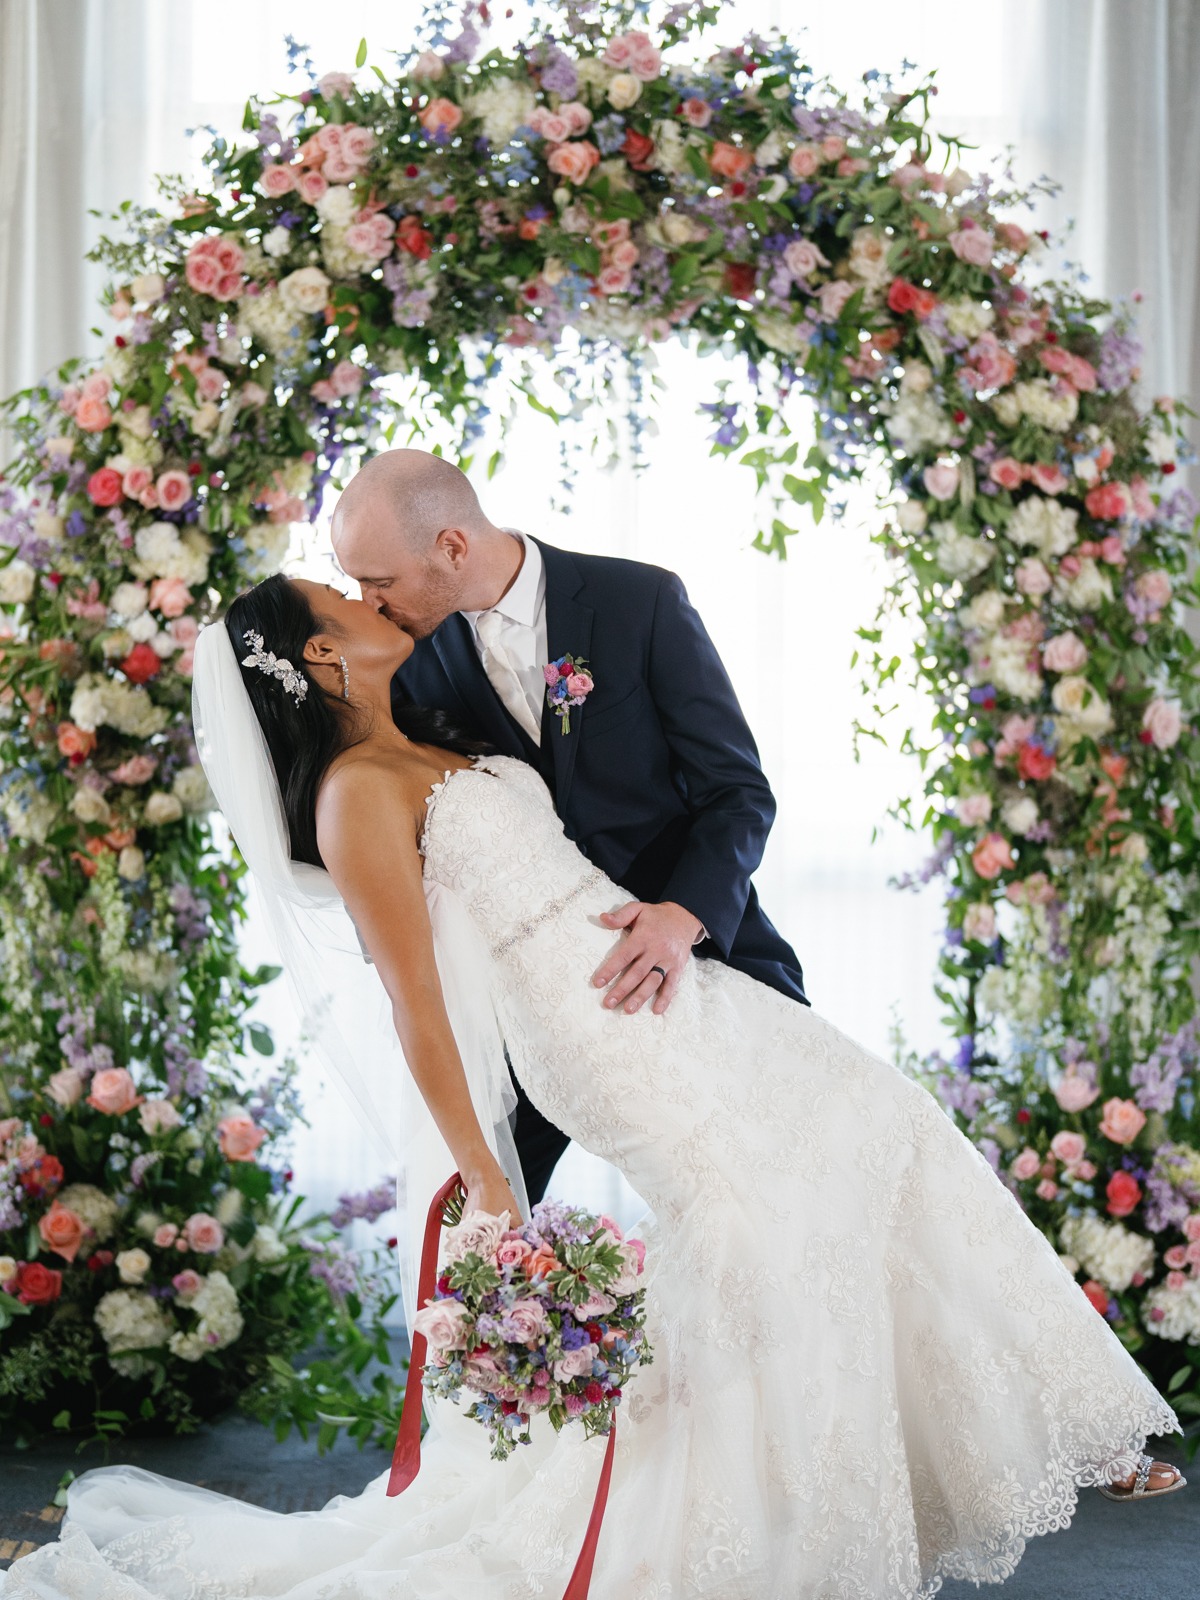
(871, 1370)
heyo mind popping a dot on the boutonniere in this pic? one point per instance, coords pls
(568, 683)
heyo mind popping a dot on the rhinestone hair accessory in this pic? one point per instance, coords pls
(294, 683)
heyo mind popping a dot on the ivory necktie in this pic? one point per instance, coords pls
(502, 675)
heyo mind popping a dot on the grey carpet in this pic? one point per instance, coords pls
(1111, 1552)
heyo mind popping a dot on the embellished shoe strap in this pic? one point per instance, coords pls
(1142, 1478)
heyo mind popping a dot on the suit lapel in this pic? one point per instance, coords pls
(568, 632)
(460, 661)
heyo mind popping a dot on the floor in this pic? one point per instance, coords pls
(1111, 1552)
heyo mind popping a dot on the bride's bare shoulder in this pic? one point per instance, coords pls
(369, 788)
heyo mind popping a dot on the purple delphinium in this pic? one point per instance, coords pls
(1156, 1080)
(368, 1206)
(1120, 359)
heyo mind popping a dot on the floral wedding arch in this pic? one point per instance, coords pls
(391, 245)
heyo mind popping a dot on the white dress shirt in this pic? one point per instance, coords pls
(523, 632)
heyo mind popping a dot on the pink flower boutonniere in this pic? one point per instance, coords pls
(568, 684)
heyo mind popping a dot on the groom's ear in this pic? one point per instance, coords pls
(454, 545)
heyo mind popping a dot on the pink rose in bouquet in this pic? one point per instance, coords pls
(1122, 1121)
(113, 1092)
(1068, 1147)
(239, 1137)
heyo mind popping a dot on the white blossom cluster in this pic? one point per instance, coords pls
(98, 700)
(220, 1323)
(1107, 1251)
(1180, 1310)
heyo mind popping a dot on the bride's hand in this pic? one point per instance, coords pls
(488, 1190)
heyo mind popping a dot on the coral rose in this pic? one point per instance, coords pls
(239, 1137)
(573, 161)
(1097, 1295)
(75, 743)
(170, 596)
(93, 415)
(105, 487)
(1009, 474)
(1124, 1192)
(113, 1092)
(1108, 502)
(992, 855)
(61, 1231)
(141, 664)
(729, 160)
(1122, 1121)
(1035, 764)
(440, 116)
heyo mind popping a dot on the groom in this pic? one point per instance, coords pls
(655, 775)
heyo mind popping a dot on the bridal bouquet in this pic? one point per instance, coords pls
(546, 1317)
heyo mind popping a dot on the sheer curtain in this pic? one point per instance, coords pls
(1095, 92)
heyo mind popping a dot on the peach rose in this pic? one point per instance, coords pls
(992, 855)
(729, 160)
(1049, 478)
(696, 112)
(61, 1231)
(278, 179)
(204, 1234)
(158, 1116)
(1075, 1093)
(92, 415)
(1068, 1147)
(1064, 653)
(1009, 474)
(1122, 1121)
(170, 596)
(136, 769)
(113, 1092)
(804, 160)
(541, 1263)
(440, 116)
(239, 1137)
(574, 160)
(75, 743)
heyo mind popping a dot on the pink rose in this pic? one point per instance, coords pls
(165, 1235)
(1191, 1228)
(1075, 1093)
(209, 382)
(528, 1320)
(550, 125)
(1012, 237)
(1154, 587)
(331, 83)
(476, 1234)
(174, 489)
(440, 116)
(973, 245)
(941, 480)
(1163, 721)
(979, 923)
(802, 258)
(512, 1252)
(729, 160)
(1176, 1257)
(1032, 577)
(833, 148)
(357, 143)
(278, 179)
(1123, 1192)
(136, 769)
(1122, 1121)
(1009, 474)
(113, 1092)
(832, 298)
(1108, 502)
(992, 856)
(1068, 1147)
(441, 1322)
(61, 1231)
(1143, 504)
(187, 1284)
(698, 113)
(136, 481)
(346, 378)
(972, 809)
(203, 1234)
(576, 115)
(1176, 1281)
(1027, 1165)
(170, 596)
(1064, 653)
(239, 1136)
(428, 65)
(93, 416)
(1049, 477)
(989, 364)
(65, 1087)
(158, 1116)
(185, 631)
(613, 280)
(573, 160)
(645, 61)
(625, 255)
(575, 1363)
(312, 186)
(579, 684)
(1047, 1189)
(804, 160)
(620, 51)
(97, 386)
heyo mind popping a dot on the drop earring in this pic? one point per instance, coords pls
(345, 678)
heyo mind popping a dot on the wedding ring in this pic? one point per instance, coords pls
(663, 970)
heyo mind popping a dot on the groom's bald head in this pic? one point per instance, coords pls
(405, 527)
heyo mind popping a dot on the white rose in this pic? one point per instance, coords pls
(1075, 699)
(677, 229)
(1088, 589)
(266, 1245)
(1161, 446)
(47, 526)
(305, 291)
(986, 611)
(191, 789)
(918, 377)
(337, 205)
(1007, 408)
(138, 422)
(770, 151)
(1019, 814)
(1134, 848)
(89, 806)
(979, 923)
(967, 319)
(131, 864)
(132, 1265)
(1042, 523)
(205, 419)
(130, 599)
(1050, 408)
(143, 628)
(8, 1269)
(148, 287)
(16, 583)
(912, 516)
(958, 554)
(624, 91)
(162, 808)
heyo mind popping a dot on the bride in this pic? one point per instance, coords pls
(872, 1372)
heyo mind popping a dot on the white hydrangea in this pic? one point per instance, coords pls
(143, 970)
(95, 1209)
(277, 242)
(1008, 667)
(338, 205)
(229, 1207)
(990, 992)
(1089, 588)
(1180, 1310)
(266, 1246)
(967, 319)
(29, 812)
(670, 148)
(1048, 407)
(267, 545)
(142, 628)
(917, 422)
(1107, 1251)
(958, 554)
(912, 516)
(503, 106)
(1019, 814)
(220, 1322)
(1041, 524)
(129, 1320)
(162, 552)
(123, 706)
(782, 334)
(266, 318)
(129, 600)
(16, 582)
(191, 789)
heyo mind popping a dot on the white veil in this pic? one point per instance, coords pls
(341, 1002)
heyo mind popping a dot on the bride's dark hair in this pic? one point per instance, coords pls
(304, 738)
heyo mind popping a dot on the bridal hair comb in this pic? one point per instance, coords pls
(294, 683)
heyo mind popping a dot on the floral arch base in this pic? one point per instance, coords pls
(612, 183)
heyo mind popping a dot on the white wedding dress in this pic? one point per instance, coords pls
(871, 1370)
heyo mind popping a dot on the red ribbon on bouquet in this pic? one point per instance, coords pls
(406, 1458)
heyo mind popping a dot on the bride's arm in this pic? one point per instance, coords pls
(366, 830)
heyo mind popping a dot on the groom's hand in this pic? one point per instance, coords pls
(656, 936)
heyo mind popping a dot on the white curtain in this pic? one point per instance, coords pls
(96, 94)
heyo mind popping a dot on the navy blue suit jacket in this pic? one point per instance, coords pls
(658, 781)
